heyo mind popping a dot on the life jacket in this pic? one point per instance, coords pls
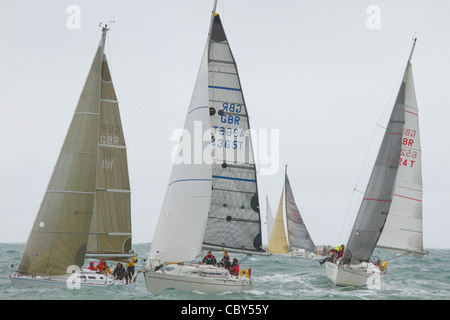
(132, 262)
(209, 259)
(235, 269)
(102, 267)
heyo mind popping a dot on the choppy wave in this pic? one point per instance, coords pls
(274, 278)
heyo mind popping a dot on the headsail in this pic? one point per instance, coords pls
(60, 232)
(298, 235)
(234, 219)
(269, 217)
(110, 234)
(186, 204)
(379, 196)
(277, 241)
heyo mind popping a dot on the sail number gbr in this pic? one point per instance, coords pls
(407, 156)
(228, 137)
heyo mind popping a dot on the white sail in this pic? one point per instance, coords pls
(402, 231)
(182, 220)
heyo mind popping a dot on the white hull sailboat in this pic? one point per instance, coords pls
(83, 278)
(86, 210)
(213, 203)
(390, 215)
(196, 277)
(361, 275)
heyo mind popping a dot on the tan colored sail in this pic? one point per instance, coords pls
(60, 232)
(277, 241)
(111, 223)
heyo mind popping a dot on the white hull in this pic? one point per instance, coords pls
(192, 277)
(304, 254)
(87, 278)
(362, 275)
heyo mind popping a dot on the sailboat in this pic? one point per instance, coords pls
(211, 204)
(86, 211)
(390, 215)
(298, 241)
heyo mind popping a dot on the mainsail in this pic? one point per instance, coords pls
(298, 235)
(59, 235)
(397, 152)
(110, 233)
(277, 241)
(234, 219)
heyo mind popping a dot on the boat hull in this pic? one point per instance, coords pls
(363, 275)
(206, 279)
(305, 254)
(77, 280)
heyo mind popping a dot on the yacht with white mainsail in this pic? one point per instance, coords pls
(390, 215)
(213, 203)
(86, 211)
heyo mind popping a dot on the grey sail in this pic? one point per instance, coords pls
(59, 235)
(377, 199)
(110, 233)
(234, 219)
(298, 235)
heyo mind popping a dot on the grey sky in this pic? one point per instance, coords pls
(312, 69)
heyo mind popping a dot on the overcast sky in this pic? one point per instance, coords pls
(323, 73)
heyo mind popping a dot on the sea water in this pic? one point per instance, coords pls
(274, 277)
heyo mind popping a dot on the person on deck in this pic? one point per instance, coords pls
(102, 267)
(119, 273)
(341, 253)
(130, 267)
(225, 262)
(209, 259)
(91, 266)
(234, 269)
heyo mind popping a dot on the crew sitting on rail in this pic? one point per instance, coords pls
(209, 258)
